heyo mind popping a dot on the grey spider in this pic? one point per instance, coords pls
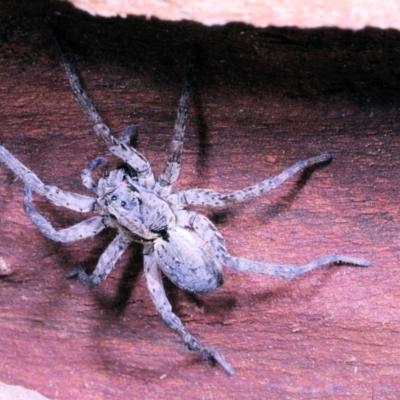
(183, 245)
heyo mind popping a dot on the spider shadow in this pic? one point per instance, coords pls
(200, 124)
(289, 288)
(117, 302)
(285, 202)
(273, 210)
(71, 255)
(200, 306)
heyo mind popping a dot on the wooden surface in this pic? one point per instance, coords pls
(262, 100)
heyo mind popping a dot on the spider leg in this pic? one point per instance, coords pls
(82, 230)
(105, 264)
(206, 197)
(118, 147)
(128, 134)
(163, 307)
(172, 170)
(86, 175)
(55, 195)
(290, 271)
(215, 243)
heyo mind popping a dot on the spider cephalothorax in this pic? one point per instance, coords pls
(181, 244)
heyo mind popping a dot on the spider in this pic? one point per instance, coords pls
(181, 244)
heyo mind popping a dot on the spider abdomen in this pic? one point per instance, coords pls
(182, 259)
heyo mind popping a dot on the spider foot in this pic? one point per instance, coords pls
(357, 262)
(96, 162)
(81, 274)
(213, 357)
(322, 158)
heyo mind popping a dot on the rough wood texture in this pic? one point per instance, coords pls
(350, 14)
(263, 99)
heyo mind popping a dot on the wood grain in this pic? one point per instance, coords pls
(263, 99)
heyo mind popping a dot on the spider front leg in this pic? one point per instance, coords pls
(55, 195)
(172, 170)
(80, 231)
(126, 153)
(206, 197)
(86, 175)
(163, 307)
(105, 264)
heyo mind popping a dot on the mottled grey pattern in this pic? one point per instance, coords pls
(181, 244)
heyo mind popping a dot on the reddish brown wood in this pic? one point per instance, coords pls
(263, 99)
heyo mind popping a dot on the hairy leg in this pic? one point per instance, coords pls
(216, 248)
(55, 195)
(86, 175)
(105, 264)
(290, 271)
(83, 230)
(128, 134)
(205, 197)
(163, 307)
(172, 170)
(126, 153)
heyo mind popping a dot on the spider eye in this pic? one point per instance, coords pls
(113, 198)
(123, 203)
